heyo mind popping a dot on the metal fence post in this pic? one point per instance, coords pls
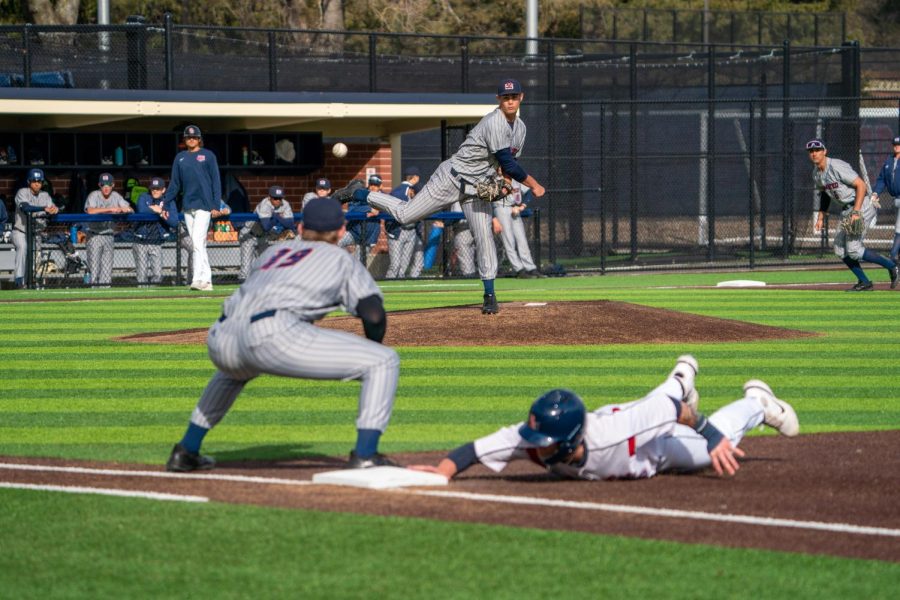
(136, 37)
(601, 194)
(373, 64)
(787, 200)
(26, 54)
(536, 227)
(632, 151)
(551, 154)
(273, 63)
(711, 153)
(751, 220)
(170, 62)
(464, 59)
(29, 251)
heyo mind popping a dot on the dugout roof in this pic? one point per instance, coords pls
(339, 114)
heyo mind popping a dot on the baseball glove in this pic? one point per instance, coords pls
(282, 236)
(492, 189)
(851, 226)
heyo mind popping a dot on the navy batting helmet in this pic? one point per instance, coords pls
(557, 417)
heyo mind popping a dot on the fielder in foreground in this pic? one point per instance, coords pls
(836, 180)
(494, 143)
(267, 327)
(660, 432)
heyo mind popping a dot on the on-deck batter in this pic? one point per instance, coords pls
(494, 143)
(267, 327)
(660, 432)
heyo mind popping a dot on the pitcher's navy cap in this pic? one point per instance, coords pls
(35, 175)
(192, 131)
(106, 179)
(509, 86)
(323, 214)
(157, 183)
(276, 192)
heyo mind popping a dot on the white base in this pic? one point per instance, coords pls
(379, 478)
(741, 283)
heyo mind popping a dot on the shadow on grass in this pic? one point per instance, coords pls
(277, 456)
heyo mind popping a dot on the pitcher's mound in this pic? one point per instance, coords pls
(536, 324)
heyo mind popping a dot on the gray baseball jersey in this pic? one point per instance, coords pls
(836, 181)
(267, 327)
(24, 196)
(265, 210)
(454, 180)
(631, 441)
(96, 200)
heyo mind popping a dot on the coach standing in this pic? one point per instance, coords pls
(195, 174)
(889, 179)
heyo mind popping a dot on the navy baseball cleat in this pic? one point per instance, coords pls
(345, 194)
(490, 306)
(182, 461)
(376, 460)
(895, 275)
(862, 286)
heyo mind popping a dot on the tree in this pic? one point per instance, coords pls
(54, 12)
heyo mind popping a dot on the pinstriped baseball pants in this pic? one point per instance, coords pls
(442, 190)
(287, 346)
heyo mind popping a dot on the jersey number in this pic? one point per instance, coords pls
(285, 258)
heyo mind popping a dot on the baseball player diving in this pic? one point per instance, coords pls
(663, 431)
(491, 147)
(836, 180)
(267, 327)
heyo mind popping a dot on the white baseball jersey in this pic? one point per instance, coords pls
(630, 441)
(836, 181)
(266, 327)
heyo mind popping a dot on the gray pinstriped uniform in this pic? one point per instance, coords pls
(267, 327)
(454, 181)
(837, 181)
(634, 440)
(25, 196)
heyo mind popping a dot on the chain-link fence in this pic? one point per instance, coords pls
(167, 56)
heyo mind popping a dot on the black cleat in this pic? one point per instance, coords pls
(376, 460)
(345, 194)
(895, 275)
(862, 286)
(490, 306)
(182, 461)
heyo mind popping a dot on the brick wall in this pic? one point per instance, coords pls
(338, 170)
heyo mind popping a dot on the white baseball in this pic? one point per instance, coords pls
(339, 150)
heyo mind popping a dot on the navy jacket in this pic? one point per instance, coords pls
(196, 176)
(153, 232)
(888, 179)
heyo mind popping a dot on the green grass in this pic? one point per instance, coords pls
(71, 392)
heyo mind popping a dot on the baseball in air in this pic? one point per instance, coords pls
(339, 150)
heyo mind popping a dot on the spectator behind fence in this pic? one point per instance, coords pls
(276, 219)
(101, 243)
(195, 174)
(31, 199)
(149, 236)
(405, 241)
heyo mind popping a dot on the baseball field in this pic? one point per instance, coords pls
(88, 418)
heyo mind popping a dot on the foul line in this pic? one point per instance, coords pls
(72, 489)
(158, 474)
(665, 512)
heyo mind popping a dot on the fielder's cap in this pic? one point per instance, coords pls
(815, 144)
(375, 179)
(157, 183)
(192, 131)
(323, 184)
(897, 141)
(35, 175)
(411, 171)
(106, 179)
(276, 192)
(323, 214)
(509, 86)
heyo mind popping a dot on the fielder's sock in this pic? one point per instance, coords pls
(895, 249)
(856, 268)
(488, 286)
(193, 437)
(361, 195)
(367, 442)
(874, 257)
